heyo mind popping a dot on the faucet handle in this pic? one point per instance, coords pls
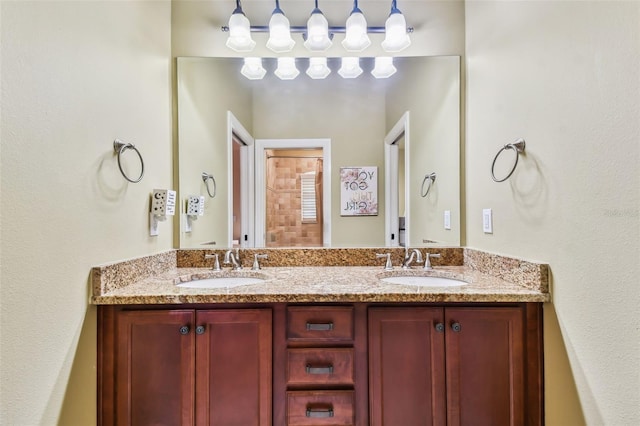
(387, 264)
(427, 259)
(256, 264)
(216, 263)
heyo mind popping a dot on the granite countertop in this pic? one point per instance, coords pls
(310, 284)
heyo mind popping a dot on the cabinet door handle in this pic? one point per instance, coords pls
(200, 329)
(439, 327)
(319, 370)
(456, 327)
(184, 329)
(314, 326)
(319, 412)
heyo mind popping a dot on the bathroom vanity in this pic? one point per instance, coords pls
(320, 345)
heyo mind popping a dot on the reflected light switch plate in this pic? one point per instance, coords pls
(447, 219)
(487, 221)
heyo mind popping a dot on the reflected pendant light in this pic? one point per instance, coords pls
(384, 67)
(279, 32)
(318, 68)
(286, 68)
(318, 39)
(240, 31)
(253, 69)
(396, 36)
(356, 38)
(350, 67)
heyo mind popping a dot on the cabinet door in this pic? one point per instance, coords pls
(155, 362)
(485, 366)
(406, 360)
(233, 367)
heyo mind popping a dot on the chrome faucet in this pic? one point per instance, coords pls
(427, 260)
(387, 264)
(409, 258)
(216, 262)
(256, 264)
(233, 257)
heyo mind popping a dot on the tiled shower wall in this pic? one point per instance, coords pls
(284, 216)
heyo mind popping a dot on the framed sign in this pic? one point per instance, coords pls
(358, 191)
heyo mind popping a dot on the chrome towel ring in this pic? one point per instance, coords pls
(119, 147)
(431, 177)
(518, 147)
(205, 178)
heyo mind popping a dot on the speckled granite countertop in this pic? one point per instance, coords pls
(154, 279)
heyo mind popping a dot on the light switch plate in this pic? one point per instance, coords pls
(487, 221)
(447, 219)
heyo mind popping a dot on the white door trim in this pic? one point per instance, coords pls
(247, 179)
(391, 214)
(260, 188)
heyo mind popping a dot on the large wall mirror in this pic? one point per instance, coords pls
(408, 125)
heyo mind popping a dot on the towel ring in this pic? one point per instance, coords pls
(431, 177)
(518, 147)
(119, 147)
(205, 178)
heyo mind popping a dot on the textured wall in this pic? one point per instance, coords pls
(75, 76)
(564, 76)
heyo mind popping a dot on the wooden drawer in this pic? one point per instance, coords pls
(320, 366)
(320, 324)
(320, 408)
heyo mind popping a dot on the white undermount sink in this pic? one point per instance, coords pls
(221, 282)
(421, 281)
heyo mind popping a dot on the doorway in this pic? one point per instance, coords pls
(293, 201)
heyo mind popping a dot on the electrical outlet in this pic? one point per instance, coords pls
(447, 219)
(487, 221)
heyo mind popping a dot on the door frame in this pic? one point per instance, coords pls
(247, 179)
(260, 190)
(391, 214)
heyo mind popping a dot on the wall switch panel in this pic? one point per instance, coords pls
(186, 223)
(487, 221)
(153, 225)
(447, 219)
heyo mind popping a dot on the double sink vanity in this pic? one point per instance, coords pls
(322, 336)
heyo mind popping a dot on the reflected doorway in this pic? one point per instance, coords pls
(293, 193)
(293, 197)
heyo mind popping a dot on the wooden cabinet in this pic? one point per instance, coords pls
(185, 367)
(312, 365)
(455, 366)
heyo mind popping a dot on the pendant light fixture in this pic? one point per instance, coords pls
(396, 36)
(253, 69)
(318, 39)
(240, 31)
(286, 68)
(383, 67)
(350, 67)
(280, 40)
(318, 68)
(356, 38)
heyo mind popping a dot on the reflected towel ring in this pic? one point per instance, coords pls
(518, 147)
(431, 177)
(205, 178)
(119, 147)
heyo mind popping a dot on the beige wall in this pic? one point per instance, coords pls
(430, 91)
(207, 89)
(75, 76)
(564, 76)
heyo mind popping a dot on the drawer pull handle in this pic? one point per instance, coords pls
(319, 370)
(319, 412)
(312, 326)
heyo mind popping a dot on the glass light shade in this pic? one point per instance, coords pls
(317, 32)
(240, 33)
(279, 33)
(286, 69)
(350, 67)
(356, 38)
(396, 37)
(253, 69)
(384, 67)
(318, 68)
